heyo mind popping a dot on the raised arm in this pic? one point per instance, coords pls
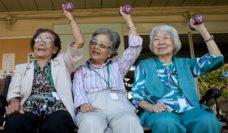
(129, 22)
(208, 38)
(78, 37)
(134, 45)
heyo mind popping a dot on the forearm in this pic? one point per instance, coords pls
(145, 106)
(211, 45)
(131, 27)
(78, 37)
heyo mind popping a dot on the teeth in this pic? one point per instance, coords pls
(41, 50)
(96, 52)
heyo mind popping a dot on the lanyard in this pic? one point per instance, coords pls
(108, 71)
(49, 74)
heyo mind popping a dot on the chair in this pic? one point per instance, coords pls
(3, 102)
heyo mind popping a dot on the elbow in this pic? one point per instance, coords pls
(81, 43)
(78, 44)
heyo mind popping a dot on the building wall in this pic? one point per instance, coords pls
(14, 38)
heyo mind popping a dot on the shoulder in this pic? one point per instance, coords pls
(23, 66)
(183, 60)
(146, 61)
(81, 68)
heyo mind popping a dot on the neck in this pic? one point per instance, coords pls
(166, 59)
(97, 63)
(41, 62)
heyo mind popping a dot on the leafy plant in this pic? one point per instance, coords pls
(216, 79)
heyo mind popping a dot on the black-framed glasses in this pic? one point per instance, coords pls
(43, 41)
(100, 44)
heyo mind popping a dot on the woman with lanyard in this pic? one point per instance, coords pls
(98, 87)
(40, 93)
(164, 89)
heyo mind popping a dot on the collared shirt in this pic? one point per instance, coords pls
(41, 94)
(90, 78)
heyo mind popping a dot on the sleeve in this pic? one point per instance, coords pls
(205, 64)
(72, 56)
(15, 84)
(79, 93)
(138, 89)
(130, 54)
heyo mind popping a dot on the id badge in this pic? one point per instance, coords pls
(55, 95)
(113, 96)
(182, 102)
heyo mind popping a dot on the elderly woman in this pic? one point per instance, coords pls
(164, 89)
(40, 95)
(98, 88)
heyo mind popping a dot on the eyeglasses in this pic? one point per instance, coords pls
(43, 41)
(100, 44)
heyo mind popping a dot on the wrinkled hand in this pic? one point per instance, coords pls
(158, 107)
(67, 13)
(199, 27)
(14, 106)
(86, 107)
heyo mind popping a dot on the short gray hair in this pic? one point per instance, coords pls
(166, 28)
(114, 38)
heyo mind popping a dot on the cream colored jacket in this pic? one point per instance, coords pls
(61, 68)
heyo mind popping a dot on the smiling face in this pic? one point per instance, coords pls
(99, 49)
(163, 44)
(44, 46)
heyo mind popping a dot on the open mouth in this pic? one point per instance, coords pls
(41, 49)
(96, 52)
(162, 48)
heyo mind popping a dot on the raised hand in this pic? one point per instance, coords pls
(68, 14)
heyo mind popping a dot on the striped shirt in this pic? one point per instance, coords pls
(89, 78)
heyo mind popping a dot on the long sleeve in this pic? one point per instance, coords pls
(130, 54)
(72, 56)
(138, 89)
(207, 63)
(79, 93)
(15, 84)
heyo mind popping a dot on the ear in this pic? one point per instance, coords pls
(110, 54)
(55, 49)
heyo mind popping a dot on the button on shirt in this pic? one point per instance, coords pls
(89, 78)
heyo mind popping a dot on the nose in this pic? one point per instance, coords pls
(97, 46)
(42, 43)
(161, 41)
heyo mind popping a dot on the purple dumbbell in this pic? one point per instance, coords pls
(127, 9)
(69, 6)
(198, 19)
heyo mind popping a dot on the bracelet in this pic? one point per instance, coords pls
(131, 27)
(209, 39)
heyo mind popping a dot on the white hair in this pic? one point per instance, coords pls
(169, 29)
